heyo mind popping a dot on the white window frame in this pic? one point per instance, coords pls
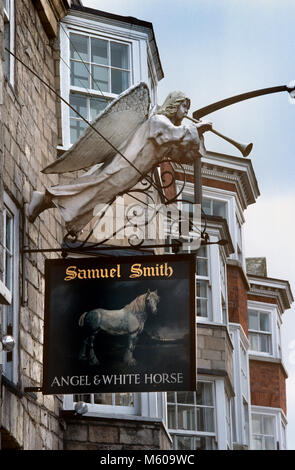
(234, 212)
(13, 300)
(139, 50)
(194, 433)
(9, 18)
(95, 409)
(228, 420)
(215, 315)
(268, 414)
(275, 319)
(207, 281)
(242, 391)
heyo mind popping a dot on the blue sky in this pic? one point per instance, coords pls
(212, 49)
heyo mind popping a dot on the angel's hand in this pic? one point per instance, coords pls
(204, 127)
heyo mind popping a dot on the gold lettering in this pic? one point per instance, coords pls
(104, 273)
(168, 270)
(136, 270)
(148, 271)
(113, 272)
(82, 274)
(70, 273)
(162, 270)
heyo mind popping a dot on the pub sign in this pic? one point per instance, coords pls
(119, 324)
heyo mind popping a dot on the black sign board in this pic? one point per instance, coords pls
(120, 324)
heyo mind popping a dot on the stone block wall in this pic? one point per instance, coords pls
(214, 350)
(29, 128)
(83, 433)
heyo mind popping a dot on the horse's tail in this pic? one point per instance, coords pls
(82, 318)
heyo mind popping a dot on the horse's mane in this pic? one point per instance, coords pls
(138, 304)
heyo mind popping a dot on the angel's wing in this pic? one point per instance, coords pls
(115, 123)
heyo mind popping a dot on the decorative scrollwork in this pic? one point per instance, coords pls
(142, 213)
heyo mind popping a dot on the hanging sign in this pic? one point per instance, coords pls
(120, 324)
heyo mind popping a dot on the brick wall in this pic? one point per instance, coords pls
(30, 138)
(267, 384)
(237, 297)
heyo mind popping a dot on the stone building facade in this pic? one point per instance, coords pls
(240, 368)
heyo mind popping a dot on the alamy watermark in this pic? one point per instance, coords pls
(140, 222)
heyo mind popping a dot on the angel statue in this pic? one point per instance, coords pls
(144, 138)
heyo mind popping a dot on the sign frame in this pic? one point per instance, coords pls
(181, 277)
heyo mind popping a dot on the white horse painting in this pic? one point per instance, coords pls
(129, 321)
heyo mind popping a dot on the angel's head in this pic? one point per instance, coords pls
(175, 107)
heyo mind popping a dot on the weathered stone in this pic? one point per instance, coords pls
(215, 343)
(211, 354)
(103, 434)
(77, 433)
(133, 436)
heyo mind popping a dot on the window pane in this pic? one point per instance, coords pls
(265, 343)
(96, 106)
(124, 399)
(202, 252)
(99, 51)
(185, 397)
(100, 78)
(202, 289)
(269, 443)
(79, 47)
(6, 6)
(85, 398)
(254, 342)
(9, 235)
(119, 55)
(184, 443)
(253, 320)
(219, 208)
(202, 268)
(170, 397)
(205, 419)
(77, 127)
(79, 75)
(186, 417)
(7, 45)
(120, 81)
(8, 271)
(206, 206)
(171, 412)
(203, 443)
(101, 399)
(264, 322)
(257, 442)
(79, 102)
(202, 308)
(204, 394)
(268, 425)
(256, 424)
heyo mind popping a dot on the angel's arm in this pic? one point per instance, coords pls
(163, 132)
(182, 141)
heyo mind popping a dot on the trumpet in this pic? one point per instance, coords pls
(245, 149)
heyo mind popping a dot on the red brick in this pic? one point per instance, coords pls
(268, 384)
(237, 298)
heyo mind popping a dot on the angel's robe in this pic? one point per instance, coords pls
(150, 143)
